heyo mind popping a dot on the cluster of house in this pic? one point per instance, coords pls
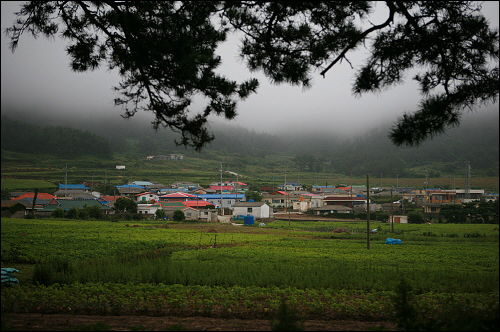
(229, 199)
(172, 156)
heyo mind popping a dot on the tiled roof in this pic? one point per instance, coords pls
(248, 204)
(344, 198)
(172, 204)
(110, 198)
(224, 188)
(73, 186)
(332, 208)
(32, 195)
(143, 183)
(197, 203)
(130, 186)
(224, 196)
(177, 195)
(66, 204)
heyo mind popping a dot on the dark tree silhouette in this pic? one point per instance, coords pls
(165, 53)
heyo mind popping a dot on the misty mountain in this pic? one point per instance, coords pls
(366, 152)
(64, 142)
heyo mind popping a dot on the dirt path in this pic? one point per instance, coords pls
(57, 322)
(305, 217)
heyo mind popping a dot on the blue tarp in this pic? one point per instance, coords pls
(392, 241)
(8, 276)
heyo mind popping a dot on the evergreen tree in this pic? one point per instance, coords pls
(165, 53)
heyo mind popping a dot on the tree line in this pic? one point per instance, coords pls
(66, 142)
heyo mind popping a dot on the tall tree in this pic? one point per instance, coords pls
(164, 52)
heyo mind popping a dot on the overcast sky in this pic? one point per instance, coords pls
(37, 77)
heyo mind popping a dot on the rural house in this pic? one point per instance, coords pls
(260, 210)
(357, 203)
(290, 186)
(148, 209)
(14, 209)
(177, 197)
(396, 207)
(330, 209)
(306, 202)
(67, 204)
(227, 199)
(146, 197)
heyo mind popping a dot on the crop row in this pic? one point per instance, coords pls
(227, 302)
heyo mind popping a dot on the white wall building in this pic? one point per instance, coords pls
(257, 209)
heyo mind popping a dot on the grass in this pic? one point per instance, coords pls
(104, 268)
(26, 184)
(202, 169)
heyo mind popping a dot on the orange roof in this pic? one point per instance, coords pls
(110, 198)
(224, 188)
(196, 203)
(32, 195)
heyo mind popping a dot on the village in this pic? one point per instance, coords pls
(228, 201)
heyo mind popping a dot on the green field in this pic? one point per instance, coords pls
(29, 185)
(202, 169)
(218, 270)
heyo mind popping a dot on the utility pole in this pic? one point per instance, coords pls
(350, 193)
(467, 180)
(392, 216)
(367, 211)
(34, 203)
(221, 208)
(426, 182)
(66, 182)
(284, 185)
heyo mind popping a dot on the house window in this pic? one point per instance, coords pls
(249, 210)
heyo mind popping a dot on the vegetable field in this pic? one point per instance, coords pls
(219, 270)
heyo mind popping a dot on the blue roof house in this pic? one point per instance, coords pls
(73, 186)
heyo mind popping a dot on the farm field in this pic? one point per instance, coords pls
(243, 272)
(266, 171)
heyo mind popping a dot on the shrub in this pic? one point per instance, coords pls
(179, 215)
(415, 217)
(58, 213)
(287, 319)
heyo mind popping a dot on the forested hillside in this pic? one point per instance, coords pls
(365, 152)
(59, 141)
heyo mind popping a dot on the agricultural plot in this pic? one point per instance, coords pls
(9, 184)
(217, 270)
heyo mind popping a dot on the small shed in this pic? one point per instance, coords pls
(399, 219)
(259, 210)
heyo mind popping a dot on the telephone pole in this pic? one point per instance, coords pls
(392, 215)
(467, 180)
(221, 208)
(367, 211)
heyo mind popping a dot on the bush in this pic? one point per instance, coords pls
(179, 215)
(160, 214)
(287, 319)
(57, 213)
(415, 217)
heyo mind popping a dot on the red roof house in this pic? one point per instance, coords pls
(32, 195)
(197, 204)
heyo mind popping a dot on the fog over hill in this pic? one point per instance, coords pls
(476, 140)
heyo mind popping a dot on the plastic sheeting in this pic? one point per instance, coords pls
(392, 241)
(8, 276)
